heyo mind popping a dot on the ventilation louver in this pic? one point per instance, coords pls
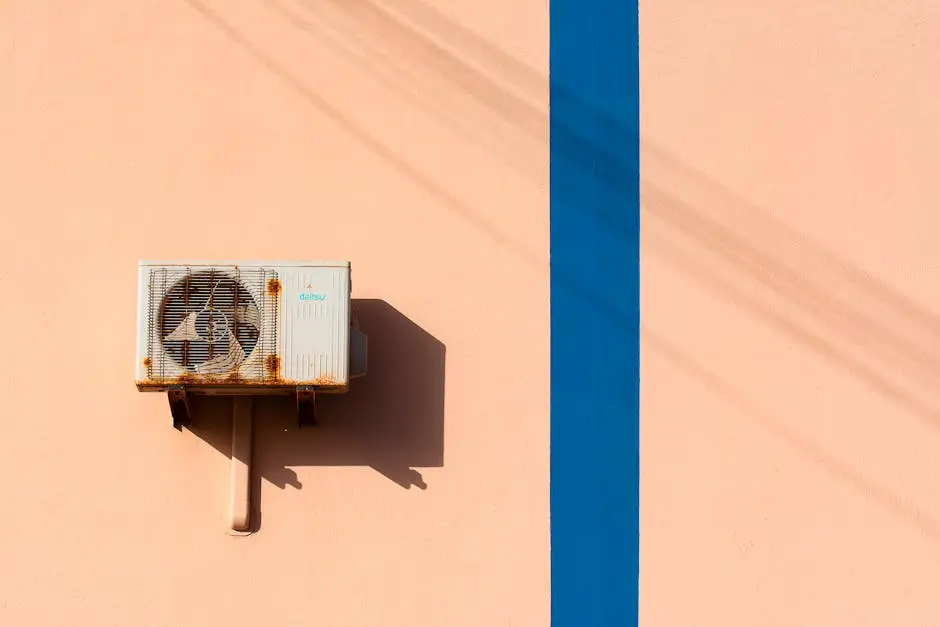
(209, 322)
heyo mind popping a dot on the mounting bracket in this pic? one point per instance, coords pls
(179, 407)
(306, 407)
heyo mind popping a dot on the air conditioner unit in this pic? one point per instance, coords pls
(246, 328)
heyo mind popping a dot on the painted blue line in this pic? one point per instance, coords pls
(594, 91)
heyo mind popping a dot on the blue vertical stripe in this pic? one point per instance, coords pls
(594, 80)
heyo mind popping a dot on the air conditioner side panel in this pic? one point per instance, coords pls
(314, 326)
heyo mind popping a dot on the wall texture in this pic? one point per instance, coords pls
(790, 424)
(788, 332)
(409, 137)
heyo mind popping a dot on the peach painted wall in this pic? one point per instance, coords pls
(790, 423)
(409, 137)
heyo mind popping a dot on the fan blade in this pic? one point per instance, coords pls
(224, 363)
(249, 314)
(186, 331)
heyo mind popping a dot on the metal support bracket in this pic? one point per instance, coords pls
(306, 407)
(179, 407)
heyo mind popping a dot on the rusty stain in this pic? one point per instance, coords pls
(209, 379)
(147, 362)
(274, 287)
(323, 384)
(272, 364)
(324, 380)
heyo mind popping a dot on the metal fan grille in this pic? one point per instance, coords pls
(212, 322)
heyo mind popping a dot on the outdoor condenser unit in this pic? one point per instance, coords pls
(246, 329)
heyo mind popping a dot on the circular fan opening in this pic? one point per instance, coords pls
(209, 323)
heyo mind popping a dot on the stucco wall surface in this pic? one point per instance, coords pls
(409, 138)
(790, 430)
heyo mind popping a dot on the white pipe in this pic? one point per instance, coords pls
(240, 497)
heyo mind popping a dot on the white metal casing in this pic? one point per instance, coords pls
(243, 327)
